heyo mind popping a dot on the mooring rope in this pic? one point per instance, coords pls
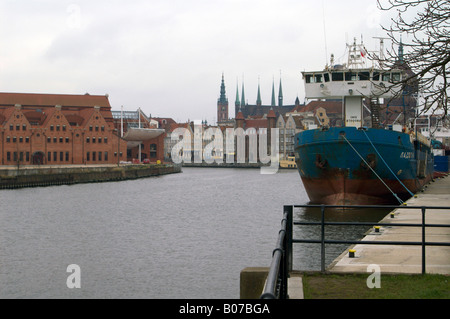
(395, 195)
(410, 193)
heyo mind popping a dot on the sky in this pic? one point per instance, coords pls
(167, 57)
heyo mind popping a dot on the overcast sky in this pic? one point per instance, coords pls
(167, 56)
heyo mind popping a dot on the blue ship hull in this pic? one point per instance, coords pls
(350, 166)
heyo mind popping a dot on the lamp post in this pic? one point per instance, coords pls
(118, 147)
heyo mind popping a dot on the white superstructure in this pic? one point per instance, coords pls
(352, 82)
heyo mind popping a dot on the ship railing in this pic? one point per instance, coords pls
(276, 286)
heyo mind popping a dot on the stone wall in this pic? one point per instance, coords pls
(45, 176)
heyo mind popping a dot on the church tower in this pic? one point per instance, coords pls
(280, 96)
(222, 104)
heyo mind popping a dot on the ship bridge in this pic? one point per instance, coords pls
(337, 83)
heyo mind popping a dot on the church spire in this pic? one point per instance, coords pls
(258, 99)
(237, 103)
(280, 95)
(243, 94)
(400, 51)
(273, 92)
(223, 97)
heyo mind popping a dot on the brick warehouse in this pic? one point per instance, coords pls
(56, 129)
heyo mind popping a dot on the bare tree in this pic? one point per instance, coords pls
(426, 23)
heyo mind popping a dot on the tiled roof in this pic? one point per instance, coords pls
(34, 99)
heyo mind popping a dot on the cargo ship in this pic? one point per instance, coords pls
(354, 164)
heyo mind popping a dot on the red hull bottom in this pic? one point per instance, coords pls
(343, 191)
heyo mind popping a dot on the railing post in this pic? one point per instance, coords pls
(289, 236)
(322, 248)
(423, 241)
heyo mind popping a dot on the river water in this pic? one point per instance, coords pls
(177, 236)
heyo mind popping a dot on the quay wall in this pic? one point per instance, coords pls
(224, 165)
(11, 178)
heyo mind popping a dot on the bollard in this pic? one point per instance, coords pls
(377, 229)
(351, 253)
(392, 215)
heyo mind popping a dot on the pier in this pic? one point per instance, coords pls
(12, 177)
(406, 258)
(411, 239)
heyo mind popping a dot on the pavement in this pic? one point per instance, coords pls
(405, 259)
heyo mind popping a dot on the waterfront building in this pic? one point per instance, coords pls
(58, 129)
(144, 137)
(288, 125)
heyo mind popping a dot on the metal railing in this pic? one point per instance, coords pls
(276, 283)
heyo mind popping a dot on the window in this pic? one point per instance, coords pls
(99, 139)
(351, 76)
(308, 78)
(18, 127)
(20, 139)
(61, 156)
(93, 156)
(8, 139)
(49, 156)
(90, 128)
(99, 156)
(364, 76)
(318, 78)
(106, 156)
(15, 156)
(105, 140)
(87, 139)
(103, 128)
(396, 77)
(27, 156)
(57, 128)
(55, 140)
(376, 76)
(337, 76)
(55, 156)
(153, 150)
(14, 139)
(67, 140)
(27, 139)
(88, 156)
(386, 77)
(8, 156)
(96, 128)
(326, 76)
(11, 127)
(49, 139)
(52, 128)
(24, 127)
(93, 140)
(67, 156)
(60, 139)
(64, 128)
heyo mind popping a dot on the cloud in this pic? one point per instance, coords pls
(167, 57)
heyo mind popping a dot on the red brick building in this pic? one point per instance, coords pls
(56, 129)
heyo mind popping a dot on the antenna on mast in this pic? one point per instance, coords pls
(324, 33)
(381, 58)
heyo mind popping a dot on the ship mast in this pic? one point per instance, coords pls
(356, 55)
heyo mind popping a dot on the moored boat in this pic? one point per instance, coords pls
(353, 164)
